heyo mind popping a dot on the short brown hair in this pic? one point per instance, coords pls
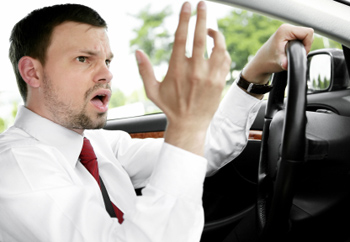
(32, 35)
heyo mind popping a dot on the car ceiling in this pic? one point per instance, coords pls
(328, 18)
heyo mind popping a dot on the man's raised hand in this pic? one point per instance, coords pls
(190, 93)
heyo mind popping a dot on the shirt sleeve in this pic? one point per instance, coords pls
(228, 132)
(137, 156)
(170, 208)
(226, 138)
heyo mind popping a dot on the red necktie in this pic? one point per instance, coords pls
(89, 160)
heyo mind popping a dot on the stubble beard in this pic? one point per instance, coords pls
(63, 113)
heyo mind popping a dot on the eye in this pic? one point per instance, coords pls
(81, 59)
(108, 62)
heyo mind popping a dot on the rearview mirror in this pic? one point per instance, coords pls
(319, 72)
(326, 71)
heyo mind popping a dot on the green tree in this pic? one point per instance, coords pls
(245, 32)
(2, 125)
(6, 122)
(137, 96)
(152, 36)
(321, 42)
(14, 109)
(118, 99)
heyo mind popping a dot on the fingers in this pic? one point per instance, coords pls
(179, 49)
(199, 43)
(219, 58)
(287, 32)
(219, 43)
(306, 35)
(200, 34)
(147, 75)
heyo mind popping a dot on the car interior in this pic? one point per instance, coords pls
(294, 173)
(292, 181)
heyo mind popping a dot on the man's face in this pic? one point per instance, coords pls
(76, 81)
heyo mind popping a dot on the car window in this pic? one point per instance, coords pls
(244, 31)
(150, 26)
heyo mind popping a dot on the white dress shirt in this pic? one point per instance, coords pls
(47, 195)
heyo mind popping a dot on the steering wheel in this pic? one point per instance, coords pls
(279, 164)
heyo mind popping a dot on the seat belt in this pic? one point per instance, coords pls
(107, 200)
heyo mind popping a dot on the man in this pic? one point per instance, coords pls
(61, 56)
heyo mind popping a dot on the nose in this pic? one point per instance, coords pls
(103, 74)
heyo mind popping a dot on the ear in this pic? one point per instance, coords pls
(29, 69)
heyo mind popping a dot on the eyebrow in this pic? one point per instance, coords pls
(95, 53)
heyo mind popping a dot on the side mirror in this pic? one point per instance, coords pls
(327, 71)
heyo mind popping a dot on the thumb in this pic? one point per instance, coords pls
(147, 74)
(284, 63)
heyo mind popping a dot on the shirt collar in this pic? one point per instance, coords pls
(68, 142)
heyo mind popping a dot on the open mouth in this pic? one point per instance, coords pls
(101, 99)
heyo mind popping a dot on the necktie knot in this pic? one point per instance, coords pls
(89, 160)
(87, 154)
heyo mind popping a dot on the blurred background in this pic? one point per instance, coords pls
(148, 25)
